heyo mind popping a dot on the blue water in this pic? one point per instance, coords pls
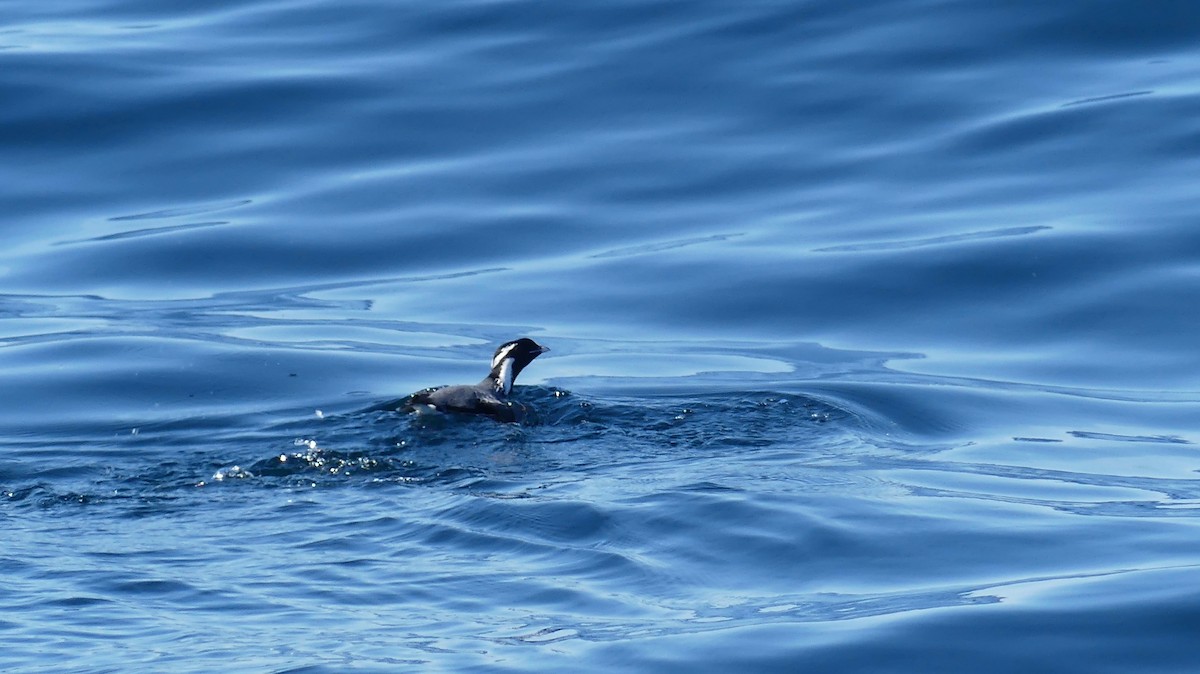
(873, 331)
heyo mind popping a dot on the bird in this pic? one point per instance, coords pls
(490, 396)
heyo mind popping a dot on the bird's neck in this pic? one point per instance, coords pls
(502, 376)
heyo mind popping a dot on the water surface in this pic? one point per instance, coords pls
(872, 330)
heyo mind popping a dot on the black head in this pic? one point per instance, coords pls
(510, 359)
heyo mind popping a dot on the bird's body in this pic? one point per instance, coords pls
(490, 396)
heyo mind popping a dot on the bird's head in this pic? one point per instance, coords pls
(510, 359)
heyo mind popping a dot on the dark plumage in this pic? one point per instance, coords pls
(490, 396)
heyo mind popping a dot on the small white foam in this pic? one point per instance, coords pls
(231, 472)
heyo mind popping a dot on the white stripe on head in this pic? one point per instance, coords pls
(502, 353)
(506, 375)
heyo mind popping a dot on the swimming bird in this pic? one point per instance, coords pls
(490, 396)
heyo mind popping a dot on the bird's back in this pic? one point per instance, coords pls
(470, 399)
